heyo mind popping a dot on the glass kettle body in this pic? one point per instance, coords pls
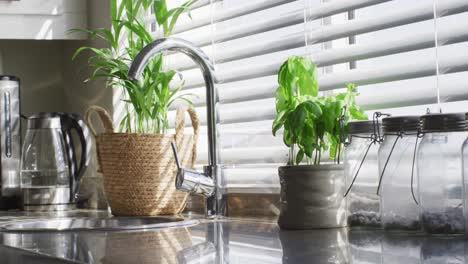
(50, 174)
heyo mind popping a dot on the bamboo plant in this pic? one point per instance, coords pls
(147, 103)
(312, 124)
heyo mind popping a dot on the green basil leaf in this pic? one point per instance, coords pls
(309, 121)
(333, 147)
(313, 108)
(279, 121)
(357, 113)
(287, 138)
(308, 138)
(281, 103)
(297, 120)
(299, 156)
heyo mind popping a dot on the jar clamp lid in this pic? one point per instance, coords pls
(9, 78)
(361, 127)
(397, 124)
(444, 122)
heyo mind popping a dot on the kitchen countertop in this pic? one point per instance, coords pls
(224, 241)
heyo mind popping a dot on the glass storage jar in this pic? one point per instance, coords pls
(465, 178)
(402, 249)
(440, 178)
(362, 174)
(365, 246)
(396, 155)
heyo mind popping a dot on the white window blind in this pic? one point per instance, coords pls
(388, 48)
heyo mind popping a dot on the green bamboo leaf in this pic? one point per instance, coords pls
(123, 123)
(138, 29)
(182, 98)
(113, 9)
(93, 34)
(160, 11)
(175, 13)
(147, 4)
(79, 51)
(148, 101)
(137, 6)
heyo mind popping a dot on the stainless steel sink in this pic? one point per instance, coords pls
(98, 224)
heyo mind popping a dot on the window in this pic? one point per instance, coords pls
(388, 48)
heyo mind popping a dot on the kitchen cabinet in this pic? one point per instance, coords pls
(42, 19)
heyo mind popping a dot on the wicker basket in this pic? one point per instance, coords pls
(139, 169)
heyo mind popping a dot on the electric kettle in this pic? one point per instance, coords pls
(50, 175)
(10, 143)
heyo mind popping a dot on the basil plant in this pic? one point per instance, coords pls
(312, 124)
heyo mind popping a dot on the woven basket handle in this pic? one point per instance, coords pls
(180, 125)
(104, 117)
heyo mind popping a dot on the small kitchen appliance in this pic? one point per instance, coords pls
(10, 138)
(50, 175)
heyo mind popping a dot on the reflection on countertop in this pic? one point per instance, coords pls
(233, 241)
(380, 247)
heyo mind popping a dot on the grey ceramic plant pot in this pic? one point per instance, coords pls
(312, 197)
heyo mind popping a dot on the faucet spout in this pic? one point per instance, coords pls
(216, 200)
(192, 181)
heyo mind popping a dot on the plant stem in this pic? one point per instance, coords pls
(317, 153)
(291, 155)
(319, 156)
(338, 153)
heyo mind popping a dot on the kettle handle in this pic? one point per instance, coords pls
(75, 122)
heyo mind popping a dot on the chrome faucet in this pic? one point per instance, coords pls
(209, 183)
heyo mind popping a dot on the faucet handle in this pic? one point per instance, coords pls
(192, 181)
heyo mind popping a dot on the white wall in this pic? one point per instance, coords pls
(80, 96)
(39, 66)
